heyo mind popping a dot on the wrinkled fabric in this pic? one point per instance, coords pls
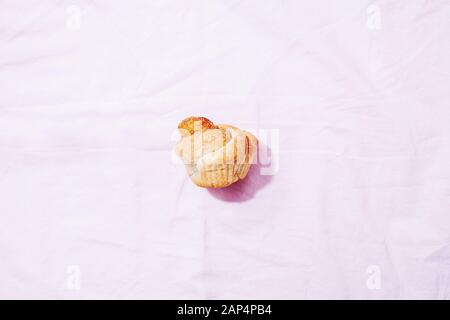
(351, 97)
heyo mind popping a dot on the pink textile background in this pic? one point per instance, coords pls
(92, 204)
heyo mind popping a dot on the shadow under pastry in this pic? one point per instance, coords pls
(246, 189)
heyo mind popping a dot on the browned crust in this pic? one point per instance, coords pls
(225, 176)
(192, 124)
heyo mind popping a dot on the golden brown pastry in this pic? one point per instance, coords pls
(215, 156)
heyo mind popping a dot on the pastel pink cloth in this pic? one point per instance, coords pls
(93, 205)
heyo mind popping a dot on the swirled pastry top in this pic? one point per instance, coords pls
(215, 156)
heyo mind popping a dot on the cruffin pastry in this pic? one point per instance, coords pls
(215, 156)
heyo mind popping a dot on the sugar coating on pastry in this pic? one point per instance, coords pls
(215, 156)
